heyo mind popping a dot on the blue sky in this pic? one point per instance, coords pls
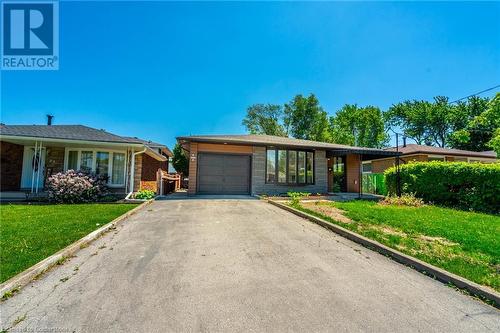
(157, 70)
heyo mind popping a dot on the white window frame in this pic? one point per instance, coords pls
(94, 151)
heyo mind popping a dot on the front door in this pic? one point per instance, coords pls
(336, 174)
(33, 168)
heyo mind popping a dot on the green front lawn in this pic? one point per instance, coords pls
(464, 243)
(31, 233)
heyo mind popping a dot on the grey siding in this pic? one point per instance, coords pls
(259, 185)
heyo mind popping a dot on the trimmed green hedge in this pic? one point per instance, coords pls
(472, 186)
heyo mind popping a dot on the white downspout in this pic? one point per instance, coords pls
(132, 171)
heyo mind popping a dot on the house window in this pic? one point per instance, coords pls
(281, 166)
(86, 161)
(292, 167)
(301, 164)
(435, 158)
(367, 167)
(271, 166)
(118, 169)
(310, 167)
(72, 160)
(110, 164)
(102, 163)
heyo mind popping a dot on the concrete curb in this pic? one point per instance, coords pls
(421, 266)
(25, 277)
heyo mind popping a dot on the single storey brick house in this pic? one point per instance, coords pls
(31, 153)
(421, 153)
(265, 164)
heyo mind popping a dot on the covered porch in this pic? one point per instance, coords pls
(346, 172)
(27, 163)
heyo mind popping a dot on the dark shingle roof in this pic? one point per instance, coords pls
(271, 140)
(415, 149)
(75, 132)
(150, 144)
(66, 132)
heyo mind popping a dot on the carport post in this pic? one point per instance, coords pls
(360, 191)
(398, 178)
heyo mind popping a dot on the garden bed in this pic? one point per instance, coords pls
(463, 243)
(30, 233)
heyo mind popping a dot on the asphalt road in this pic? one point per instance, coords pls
(236, 265)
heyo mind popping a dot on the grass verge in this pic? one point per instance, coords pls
(31, 233)
(464, 243)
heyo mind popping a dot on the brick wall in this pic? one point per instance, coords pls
(379, 166)
(149, 169)
(137, 172)
(352, 172)
(11, 166)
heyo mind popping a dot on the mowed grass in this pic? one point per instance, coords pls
(464, 243)
(31, 233)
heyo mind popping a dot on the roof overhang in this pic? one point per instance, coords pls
(453, 153)
(155, 155)
(331, 151)
(23, 140)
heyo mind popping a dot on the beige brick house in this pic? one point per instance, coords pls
(419, 153)
(31, 153)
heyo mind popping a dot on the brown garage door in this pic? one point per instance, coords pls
(223, 174)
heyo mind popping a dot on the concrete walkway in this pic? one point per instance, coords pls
(236, 265)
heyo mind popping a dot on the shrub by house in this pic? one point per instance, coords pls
(76, 187)
(472, 186)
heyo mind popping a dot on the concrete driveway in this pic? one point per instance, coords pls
(237, 265)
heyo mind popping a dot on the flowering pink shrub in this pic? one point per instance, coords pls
(75, 186)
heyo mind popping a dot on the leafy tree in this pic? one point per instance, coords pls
(430, 123)
(439, 121)
(265, 119)
(474, 125)
(411, 118)
(180, 160)
(359, 126)
(306, 119)
(495, 142)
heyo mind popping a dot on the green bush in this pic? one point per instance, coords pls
(472, 186)
(145, 194)
(405, 200)
(296, 196)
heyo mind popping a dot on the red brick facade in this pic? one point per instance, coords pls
(150, 166)
(11, 166)
(147, 167)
